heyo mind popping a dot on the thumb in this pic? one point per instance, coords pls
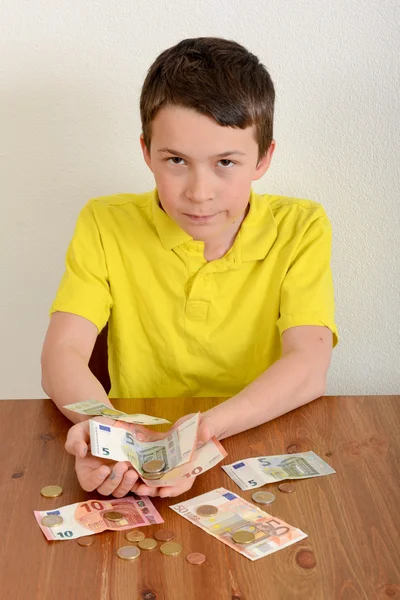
(206, 431)
(77, 439)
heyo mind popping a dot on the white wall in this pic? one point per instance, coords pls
(70, 78)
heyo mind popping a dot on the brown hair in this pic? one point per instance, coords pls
(216, 77)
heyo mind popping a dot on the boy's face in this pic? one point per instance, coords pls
(205, 194)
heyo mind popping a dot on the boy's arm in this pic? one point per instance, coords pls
(298, 377)
(66, 376)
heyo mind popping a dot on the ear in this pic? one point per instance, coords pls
(265, 162)
(146, 153)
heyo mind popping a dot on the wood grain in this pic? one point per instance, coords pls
(352, 518)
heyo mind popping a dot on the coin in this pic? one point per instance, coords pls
(196, 558)
(51, 491)
(263, 497)
(206, 510)
(288, 488)
(153, 475)
(147, 544)
(113, 515)
(243, 537)
(88, 540)
(52, 520)
(163, 535)
(171, 548)
(135, 536)
(153, 466)
(128, 552)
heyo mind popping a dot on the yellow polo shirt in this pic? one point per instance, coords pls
(180, 326)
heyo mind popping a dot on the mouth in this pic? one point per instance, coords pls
(200, 218)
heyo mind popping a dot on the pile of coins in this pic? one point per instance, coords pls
(168, 547)
(153, 468)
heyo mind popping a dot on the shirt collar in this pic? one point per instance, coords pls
(255, 238)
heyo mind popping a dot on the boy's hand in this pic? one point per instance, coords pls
(94, 473)
(205, 433)
(118, 478)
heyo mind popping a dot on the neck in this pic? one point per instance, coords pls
(214, 249)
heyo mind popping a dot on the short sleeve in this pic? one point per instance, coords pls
(84, 289)
(307, 296)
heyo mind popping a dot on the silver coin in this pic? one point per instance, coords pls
(263, 497)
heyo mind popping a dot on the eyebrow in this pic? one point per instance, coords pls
(180, 154)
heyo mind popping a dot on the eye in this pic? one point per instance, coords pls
(223, 160)
(227, 161)
(173, 158)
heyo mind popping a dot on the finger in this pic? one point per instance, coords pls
(89, 478)
(128, 481)
(176, 490)
(77, 439)
(140, 432)
(110, 484)
(145, 490)
(136, 486)
(205, 433)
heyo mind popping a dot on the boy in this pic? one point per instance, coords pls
(209, 289)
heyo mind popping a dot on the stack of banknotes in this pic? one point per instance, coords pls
(178, 450)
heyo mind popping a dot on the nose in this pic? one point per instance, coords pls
(198, 189)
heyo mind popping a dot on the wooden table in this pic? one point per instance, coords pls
(352, 518)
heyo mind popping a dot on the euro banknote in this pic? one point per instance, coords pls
(94, 408)
(204, 458)
(90, 517)
(254, 472)
(117, 443)
(109, 442)
(235, 514)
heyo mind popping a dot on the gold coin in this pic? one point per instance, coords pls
(153, 466)
(51, 491)
(88, 540)
(52, 520)
(128, 552)
(243, 537)
(110, 411)
(113, 515)
(171, 548)
(147, 544)
(135, 536)
(153, 475)
(206, 510)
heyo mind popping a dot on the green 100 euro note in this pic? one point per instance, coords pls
(236, 514)
(94, 408)
(254, 472)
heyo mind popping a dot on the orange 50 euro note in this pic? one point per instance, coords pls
(233, 514)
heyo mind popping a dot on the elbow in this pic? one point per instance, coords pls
(319, 386)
